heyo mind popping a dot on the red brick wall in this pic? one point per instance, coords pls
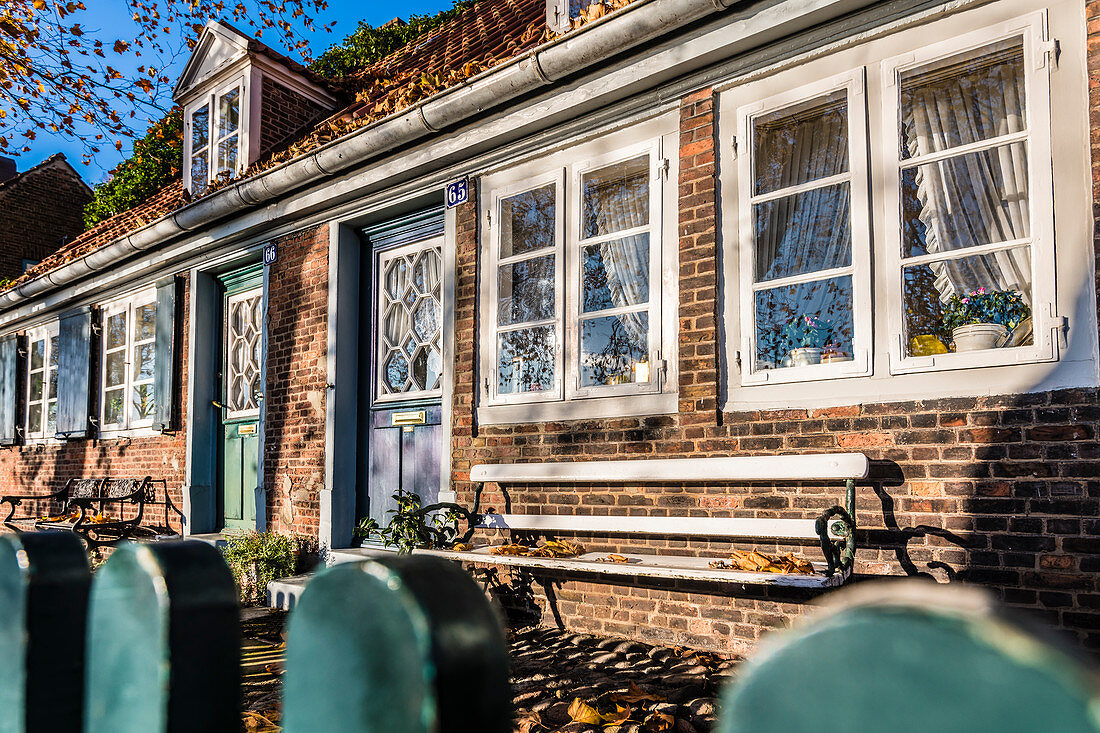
(45, 467)
(39, 211)
(1000, 491)
(295, 395)
(284, 113)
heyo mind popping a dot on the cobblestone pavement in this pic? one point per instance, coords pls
(551, 669)
(651, 688)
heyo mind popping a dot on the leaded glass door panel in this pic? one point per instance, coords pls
(405, 434)
(242, 393)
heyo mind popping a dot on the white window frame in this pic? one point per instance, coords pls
(1067, 325)
(564, 166)
(47, 332)
(575, 282)
(128, 305)
(852, 82)
(1037, 136)
(211, 101)
(494, 261)
(384, 257)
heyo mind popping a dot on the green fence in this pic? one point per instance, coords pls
(409, 644)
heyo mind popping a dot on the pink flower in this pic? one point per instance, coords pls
(966, 300)
(981, 291)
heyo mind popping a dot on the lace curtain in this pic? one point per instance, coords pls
(977, 198)
(619, 204)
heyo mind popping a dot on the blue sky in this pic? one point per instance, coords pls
(111, 19)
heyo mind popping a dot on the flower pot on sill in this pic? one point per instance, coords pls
(805, 356)
(977, 336)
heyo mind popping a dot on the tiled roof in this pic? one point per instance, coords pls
(164, 201)
(488, 33)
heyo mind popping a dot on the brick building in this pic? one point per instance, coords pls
(674, 230)
(41, 208)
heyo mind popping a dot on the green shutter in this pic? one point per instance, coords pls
(9, 359)
(164, 378)
(73, 385)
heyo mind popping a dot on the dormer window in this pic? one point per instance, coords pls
(215, 136)
(241, 101)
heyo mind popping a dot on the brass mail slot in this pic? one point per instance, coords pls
(246, 430)
(415, 417)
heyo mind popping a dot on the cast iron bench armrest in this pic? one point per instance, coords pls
(15, 500)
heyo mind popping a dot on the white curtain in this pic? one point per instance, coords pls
(802, 233)
(974, 199)
(619, 204)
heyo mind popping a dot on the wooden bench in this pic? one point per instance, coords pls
(82, 498)
(833, 530)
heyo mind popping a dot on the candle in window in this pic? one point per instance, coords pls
(641, 371)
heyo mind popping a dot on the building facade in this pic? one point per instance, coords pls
(661, 230)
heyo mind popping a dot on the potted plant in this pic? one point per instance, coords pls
(982, 318)
(806, 337)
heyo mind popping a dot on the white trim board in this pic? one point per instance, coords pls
(806, 467)
(755, 527)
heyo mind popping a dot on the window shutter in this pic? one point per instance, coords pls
(73, 386)
(9, 359)
(164, 377)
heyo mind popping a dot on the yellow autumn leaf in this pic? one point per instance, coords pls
(582, 712)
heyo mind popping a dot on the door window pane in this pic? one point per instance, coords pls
(615, 273)
(800, 144)
(243, 341)
(410, 329)
(615, 349)
(525, 360)
(616, 197)
(527, 221)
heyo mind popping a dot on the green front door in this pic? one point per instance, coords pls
(242, 390)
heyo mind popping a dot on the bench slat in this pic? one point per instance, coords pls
(780, 529)
(650, 566)
(806, 467)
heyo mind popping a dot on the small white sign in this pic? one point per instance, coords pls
(458, 192)
(271, 253)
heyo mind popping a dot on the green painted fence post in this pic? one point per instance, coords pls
(913, 657)
(44, 579)
(163, 642)
(407, 644)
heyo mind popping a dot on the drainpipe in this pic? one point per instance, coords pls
(578, 51)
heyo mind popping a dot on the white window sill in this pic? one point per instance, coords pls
(635, 405)
(928, 385)
(118, 434)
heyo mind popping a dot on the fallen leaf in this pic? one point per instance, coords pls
(582, 712)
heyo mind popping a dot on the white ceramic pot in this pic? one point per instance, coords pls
(805, 356)
(977, 336)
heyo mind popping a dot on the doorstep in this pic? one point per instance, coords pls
(284, 592)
